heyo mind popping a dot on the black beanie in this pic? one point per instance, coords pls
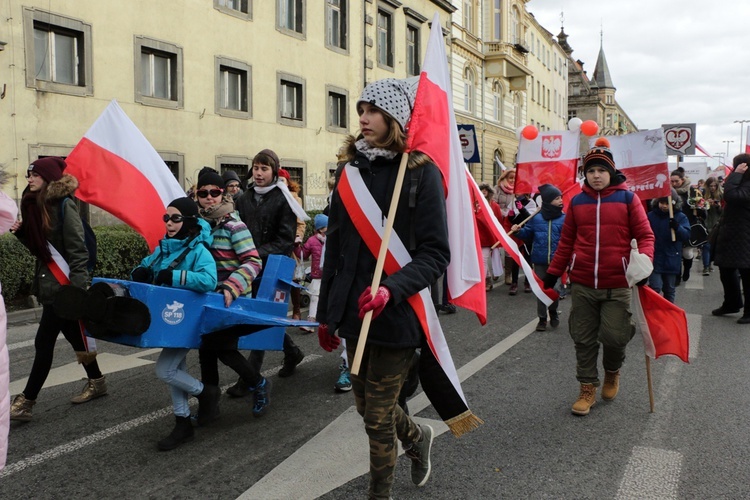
(187, 208)
(549, 193)
(600, 155)
(229, 176)
(208, 176)
(49, 168)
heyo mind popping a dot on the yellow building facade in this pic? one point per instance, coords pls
(209, 83)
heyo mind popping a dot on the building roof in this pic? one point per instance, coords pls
(601, 71)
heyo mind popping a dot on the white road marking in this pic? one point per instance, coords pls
(28, 343)
(651, 473)
(695, 282)
(72, 372)
(695, 326)
(72, 446)
(337, 454)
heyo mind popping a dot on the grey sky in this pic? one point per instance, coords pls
(672, 61)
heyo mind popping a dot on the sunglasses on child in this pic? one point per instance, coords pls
(203, 193)
(176, 217)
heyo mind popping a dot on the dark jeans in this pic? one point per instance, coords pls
(209, 359)
(44, 343)
(730, 279)
(541, 309)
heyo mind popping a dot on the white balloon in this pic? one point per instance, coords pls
(574, 124)
(519, 130)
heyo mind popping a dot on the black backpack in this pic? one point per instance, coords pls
(89, 237)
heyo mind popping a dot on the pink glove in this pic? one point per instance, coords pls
(327, 341)
(375, 304)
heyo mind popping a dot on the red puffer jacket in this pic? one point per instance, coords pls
(596, 237)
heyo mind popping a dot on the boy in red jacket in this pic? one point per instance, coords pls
(595, 242)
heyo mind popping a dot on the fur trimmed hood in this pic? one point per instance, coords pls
(349, 151)
(66, 186)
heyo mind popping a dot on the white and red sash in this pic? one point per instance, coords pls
(60, 269)
(367, 218)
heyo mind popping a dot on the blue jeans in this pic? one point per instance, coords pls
(665, 283)
(172, 369)
(706, 254)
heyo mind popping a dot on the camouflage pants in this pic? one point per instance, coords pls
(376, 390)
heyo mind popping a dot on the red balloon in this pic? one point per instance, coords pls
(530, 132)
(589, 128)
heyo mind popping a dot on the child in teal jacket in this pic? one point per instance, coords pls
(182, 260)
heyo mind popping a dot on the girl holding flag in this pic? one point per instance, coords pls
(58, 245)
(365, 185)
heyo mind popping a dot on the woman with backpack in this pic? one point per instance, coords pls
(54, 234)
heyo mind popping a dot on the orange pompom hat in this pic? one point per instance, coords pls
(600, 155)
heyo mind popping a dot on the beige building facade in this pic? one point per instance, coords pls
(211, 83)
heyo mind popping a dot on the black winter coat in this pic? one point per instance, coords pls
(733, 245)
(270, 220)
(349, 265)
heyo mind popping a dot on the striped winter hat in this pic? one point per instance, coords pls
(600, 155)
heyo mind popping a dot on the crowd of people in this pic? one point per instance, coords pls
(219, 239)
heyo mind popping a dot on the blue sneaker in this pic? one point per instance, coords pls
(344, 383)
(261, 397)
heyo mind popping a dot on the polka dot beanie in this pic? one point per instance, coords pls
(395, 97)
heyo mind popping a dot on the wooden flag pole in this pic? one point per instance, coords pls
(650, 385)
(380, 263)
(527, 219)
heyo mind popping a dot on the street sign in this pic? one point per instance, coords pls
(469, 147)
(680, 138)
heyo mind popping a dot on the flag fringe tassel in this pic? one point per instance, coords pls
(463, 423)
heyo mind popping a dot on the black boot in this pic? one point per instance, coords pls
(291, 361)
(182, 433)
(208, 404)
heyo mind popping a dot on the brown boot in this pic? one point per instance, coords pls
(586, 399)
(95, 387)
(611, 385)
(20, 410)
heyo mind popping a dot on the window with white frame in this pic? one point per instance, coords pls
(291, 107)
(158, 73)
(468, 15)
(498, 99)
(233, 88)
(497, 18)
(469, 89)
(412, 50)
(58, 54)
(291, 16)
(385, 38)
(515, 26)
(338, 111)
(517, 110)
(337, 17)
(237, 8)
(533, 94)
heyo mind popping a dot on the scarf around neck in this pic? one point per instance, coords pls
(371, 153)
(550, 211)
(296, 207)
(216, 213)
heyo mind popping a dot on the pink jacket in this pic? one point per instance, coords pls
(8, 213)
(312, 248)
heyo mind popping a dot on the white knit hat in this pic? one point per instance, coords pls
(395, 97)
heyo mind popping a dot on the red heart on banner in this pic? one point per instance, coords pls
(678, 138)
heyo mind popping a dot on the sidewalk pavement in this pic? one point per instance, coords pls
(24, 316)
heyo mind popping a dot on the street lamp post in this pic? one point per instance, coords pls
(742, 125)
(728, 142)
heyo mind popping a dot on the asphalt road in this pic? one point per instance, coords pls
(311, 443)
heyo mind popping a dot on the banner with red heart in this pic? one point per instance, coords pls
(680, 138)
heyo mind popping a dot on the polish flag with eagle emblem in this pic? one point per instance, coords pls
(551, 158)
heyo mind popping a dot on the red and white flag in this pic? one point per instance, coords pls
(642, 157)
(663, 325)
(747, 141)
(551, 158)
(119, 171)
(433, 131)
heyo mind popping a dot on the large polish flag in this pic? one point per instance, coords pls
(642, 157)
(119, 171)
(747, 141)
(551, 158)
(433, 131)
